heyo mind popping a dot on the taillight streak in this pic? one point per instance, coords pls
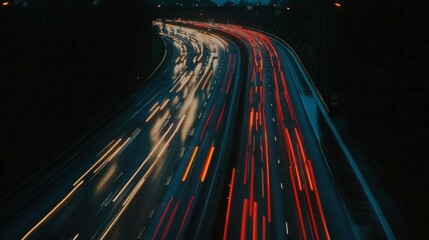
(185, 217)
(220, 117)
(162, 217)
(170, 220)
(244, 219)
(319, 205)
(228, 210)
(255, 221)
(207, 122)
(298, 205)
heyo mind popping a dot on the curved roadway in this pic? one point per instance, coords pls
(154, 169)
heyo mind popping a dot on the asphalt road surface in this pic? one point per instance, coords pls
(155, 168)
(163, 147)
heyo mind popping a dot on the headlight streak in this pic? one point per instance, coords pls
(141, 166)
(47, 216)
(152, 114)
(128, 200)
(188, 83)
(114, 154)
(156, 104)
(108, 145)
(96, 163)
(202, 82)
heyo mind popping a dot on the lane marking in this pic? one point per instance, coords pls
(287, 228)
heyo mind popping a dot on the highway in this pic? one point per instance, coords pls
(162, 148)
(227, 110)
(280, 186)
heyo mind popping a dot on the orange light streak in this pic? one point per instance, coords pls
(188, 168)
(207, 164)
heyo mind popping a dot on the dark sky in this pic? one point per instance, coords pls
(237, 1)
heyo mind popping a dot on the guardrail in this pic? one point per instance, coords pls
(323, 109)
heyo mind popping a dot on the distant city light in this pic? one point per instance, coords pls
(337, 4)
(288, 8)
(5, 4)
